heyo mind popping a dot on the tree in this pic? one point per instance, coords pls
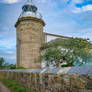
(55, 57)
(1, 61)
(75, 51)
(80, 49)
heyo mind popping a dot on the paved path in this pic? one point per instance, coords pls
(3, 88)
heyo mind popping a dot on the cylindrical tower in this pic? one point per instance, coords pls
(29, 32)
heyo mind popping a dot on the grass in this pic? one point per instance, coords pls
(13, 85)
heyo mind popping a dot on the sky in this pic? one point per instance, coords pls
(64, 17)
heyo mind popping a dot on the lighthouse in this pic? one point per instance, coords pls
(29, 36)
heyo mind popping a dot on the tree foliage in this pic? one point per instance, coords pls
(1, 61)
(74, 50)
(55, 57)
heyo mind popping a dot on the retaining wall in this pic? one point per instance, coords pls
(75, 79)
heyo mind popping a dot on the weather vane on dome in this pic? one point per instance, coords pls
(29, 0)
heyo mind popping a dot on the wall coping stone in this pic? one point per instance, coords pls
(67, 70)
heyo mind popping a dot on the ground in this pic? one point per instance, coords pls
(3, 88)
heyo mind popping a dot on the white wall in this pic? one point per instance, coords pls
(49, 38)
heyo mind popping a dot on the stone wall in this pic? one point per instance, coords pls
(75, 79)
(29, 32)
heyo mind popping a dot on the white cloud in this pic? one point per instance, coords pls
(7, 43)
(87, 8)
(11, 1)
(83, 9)
(10, 57)
(77, 10)
(10, 52)
(77, 1)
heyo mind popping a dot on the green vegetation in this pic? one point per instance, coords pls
(69, 52)
(1, 61)
(4, 65)
(14, 86)
(20, 67)
(14, 67)
(11, 66)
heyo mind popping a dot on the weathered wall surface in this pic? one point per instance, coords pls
(29, 40)
(76, 79)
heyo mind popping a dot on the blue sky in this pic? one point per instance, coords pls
(63, 17)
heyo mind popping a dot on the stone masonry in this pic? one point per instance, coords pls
(29, 31)
(70, 79)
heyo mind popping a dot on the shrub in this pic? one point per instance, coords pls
(20, 67)
(12, 66)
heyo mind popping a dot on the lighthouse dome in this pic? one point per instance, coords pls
(29, 9)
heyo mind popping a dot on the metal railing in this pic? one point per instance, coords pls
(32, 14)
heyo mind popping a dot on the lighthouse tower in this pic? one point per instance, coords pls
(29, 32)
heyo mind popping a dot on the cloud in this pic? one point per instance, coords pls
(7, 43)
(83, 9)
(87, 8)
(77, 1)
(9, 55)
(80, 6)
(64, 15)
(77, 10)
(11, 1)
